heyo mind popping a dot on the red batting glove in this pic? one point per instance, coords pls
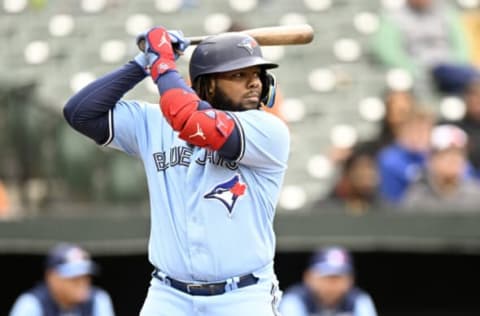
(159, 52)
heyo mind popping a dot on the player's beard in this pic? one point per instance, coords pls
(221, 101)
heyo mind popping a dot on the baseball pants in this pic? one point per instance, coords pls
(260, 299)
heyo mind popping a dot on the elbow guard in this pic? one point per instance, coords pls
(206, 128)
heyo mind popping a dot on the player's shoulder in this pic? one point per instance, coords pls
(138, 111)
(100, 296)
(263, 119)
(99, 292)
(26, 304)
(259, 115)
(137, 105)
(358, 294)
(27, 298)
(298, 289)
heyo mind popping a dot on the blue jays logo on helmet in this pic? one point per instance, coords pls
(249, 44)
(228, 192)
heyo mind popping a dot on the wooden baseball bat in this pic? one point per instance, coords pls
(274, 35)
(267, 36)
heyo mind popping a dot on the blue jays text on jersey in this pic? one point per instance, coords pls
(182, 156)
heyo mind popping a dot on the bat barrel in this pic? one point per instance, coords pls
(273, 35)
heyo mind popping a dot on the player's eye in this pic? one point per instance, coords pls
(238, 75)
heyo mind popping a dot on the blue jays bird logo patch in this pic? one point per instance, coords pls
(248, 44)
(228, 192)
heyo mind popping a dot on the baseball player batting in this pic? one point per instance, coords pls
(214, 162)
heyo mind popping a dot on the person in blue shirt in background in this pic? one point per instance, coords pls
(401, 163)
(66, 289)
(328, 288)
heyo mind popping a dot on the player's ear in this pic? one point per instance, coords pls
(269, 86)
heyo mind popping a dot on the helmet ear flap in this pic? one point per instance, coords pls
(269, 86)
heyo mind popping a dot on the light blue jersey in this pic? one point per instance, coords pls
(211, 219)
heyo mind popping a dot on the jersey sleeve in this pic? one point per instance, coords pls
(102, 304)
(364, 306)
(127, 122)
(291, 305)
(26, 305)
(264, 138)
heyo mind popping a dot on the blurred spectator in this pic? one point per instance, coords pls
(471, 124)
(398, 104)
(445, 186)
(4, 201)
(426, 37)
(327, 288)
(66, 289)
(356, 190)
(402, 162)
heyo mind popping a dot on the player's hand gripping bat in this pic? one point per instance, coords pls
(267, 36)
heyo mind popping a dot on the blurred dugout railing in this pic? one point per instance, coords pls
(380, 231)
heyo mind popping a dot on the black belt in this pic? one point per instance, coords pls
(206, 289)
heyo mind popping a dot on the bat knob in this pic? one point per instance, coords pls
(141, 46)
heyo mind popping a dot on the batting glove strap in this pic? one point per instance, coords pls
(159, 52)
(141, 60)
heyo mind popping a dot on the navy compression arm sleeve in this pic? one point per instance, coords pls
(87, 111)
(172, 80)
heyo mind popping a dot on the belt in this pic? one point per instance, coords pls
(206, 289)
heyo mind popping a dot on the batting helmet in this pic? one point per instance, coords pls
(232, 51)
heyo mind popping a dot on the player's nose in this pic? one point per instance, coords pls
(254, 82)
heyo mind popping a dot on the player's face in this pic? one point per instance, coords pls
(69, 291)
(238, 89)
(329, 289)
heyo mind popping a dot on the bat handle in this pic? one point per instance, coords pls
(141, 46)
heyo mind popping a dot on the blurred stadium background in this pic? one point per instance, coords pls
(62, 187)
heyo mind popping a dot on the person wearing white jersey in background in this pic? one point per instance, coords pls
(214, 161)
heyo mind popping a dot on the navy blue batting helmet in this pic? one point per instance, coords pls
(226, 52)
(231, 51)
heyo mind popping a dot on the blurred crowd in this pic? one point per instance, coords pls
(420, 161)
